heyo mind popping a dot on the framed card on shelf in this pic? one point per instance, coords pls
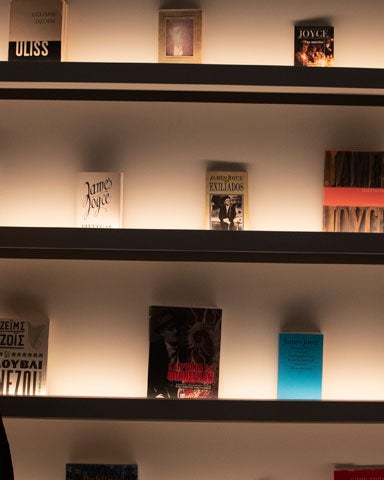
(180, 36)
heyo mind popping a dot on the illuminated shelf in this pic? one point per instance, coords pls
(191, 83)
(193, 410)
(191, 245)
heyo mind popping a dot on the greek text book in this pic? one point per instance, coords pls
(37, 30)
(353, 199)
(184, 352)
(227, 200)
(99, 199)
(23, 356)
(300, 366)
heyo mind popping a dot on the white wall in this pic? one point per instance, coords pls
(99, 310)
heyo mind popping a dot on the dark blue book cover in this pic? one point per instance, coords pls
(300, 366)
(88, 471)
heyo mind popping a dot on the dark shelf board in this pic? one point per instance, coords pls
(295, 411)
(101, 80)
(191, 245)
(187, 74)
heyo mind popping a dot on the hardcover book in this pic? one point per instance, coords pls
(184, 352)
(37, 30)
(359, 474)
(353, 199)
(314, 46)
(227, 200)
(86, 471)
(23, 357)
(300, 366)
(99, 199)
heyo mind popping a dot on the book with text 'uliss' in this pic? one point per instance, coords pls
(227, 200)
(99, 197)
(37, 30)
(300, 366)
(88, 471)
(184, 352)
(353, 194)
(23, 356)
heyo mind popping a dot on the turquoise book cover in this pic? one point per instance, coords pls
(300, 366)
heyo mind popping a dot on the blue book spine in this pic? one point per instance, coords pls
(300, 366)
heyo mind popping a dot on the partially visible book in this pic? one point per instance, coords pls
(37, 30)
(227, 200)
(87, 471)
(23, 356)
(314, 46)
(353, 199)
(300, 366)
(184, 352)
(358, 473)
(99, 199)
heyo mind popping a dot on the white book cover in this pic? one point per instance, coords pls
(99, 199)
(37, 30)
(23, 356)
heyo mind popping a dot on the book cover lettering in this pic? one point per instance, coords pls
(184, 352)
(314, 46)
(86, 471)
(23, 357)
(300, 366)
(227, 200)
(353, 194)
(99, 199)
(37, 30)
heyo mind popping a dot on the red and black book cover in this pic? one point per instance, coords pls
(184, 352)
(353, 199)
(359, 474)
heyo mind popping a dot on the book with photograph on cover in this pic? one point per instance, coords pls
(353, 194)
(184, 352)
(227, 200)
(300, 366)
(359, 473)
(99, 197)
(87, 471)
(314, 46)
(23, 356)
(37, 30)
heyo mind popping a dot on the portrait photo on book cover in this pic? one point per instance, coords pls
(180, 36)
(227, 212)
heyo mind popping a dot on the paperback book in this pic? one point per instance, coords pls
(86, 471)
(314, 46)
(227, 200)
(359, 474)
(300, 366)
(37, 30)
(99, 197)
(184, 352)
(353, 199)
(23, 357)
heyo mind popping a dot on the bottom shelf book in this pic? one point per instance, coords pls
(87, 471)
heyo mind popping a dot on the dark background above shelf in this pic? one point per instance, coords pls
(191, 245)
